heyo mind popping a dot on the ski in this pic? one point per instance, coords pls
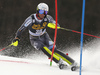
(61, 66)
(73, 68)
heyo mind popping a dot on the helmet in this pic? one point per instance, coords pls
(42, 6)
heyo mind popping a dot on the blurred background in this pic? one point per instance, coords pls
(14, 12)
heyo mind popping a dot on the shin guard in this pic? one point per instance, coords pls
(66, 58)
(49, 53)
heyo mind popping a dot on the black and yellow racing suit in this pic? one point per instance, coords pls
(40, 39)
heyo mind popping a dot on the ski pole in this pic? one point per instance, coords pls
(14, 44)
(52, 25)
(6, 47)
(79, 32)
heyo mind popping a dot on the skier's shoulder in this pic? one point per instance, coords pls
(49, 16)
(29, 18)
(32, 16)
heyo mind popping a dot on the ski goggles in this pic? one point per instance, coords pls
(43, 12)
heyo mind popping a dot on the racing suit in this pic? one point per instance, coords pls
(40, 39)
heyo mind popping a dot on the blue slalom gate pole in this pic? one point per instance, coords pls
(82, 31)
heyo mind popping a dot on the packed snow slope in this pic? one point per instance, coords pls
(40, 65)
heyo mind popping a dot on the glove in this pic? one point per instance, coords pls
(15, 42)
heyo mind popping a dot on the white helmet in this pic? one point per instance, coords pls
(42, 6)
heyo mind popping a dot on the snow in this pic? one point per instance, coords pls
(41, 65)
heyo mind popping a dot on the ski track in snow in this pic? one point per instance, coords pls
(41, 65)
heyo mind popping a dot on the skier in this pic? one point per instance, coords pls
(39, 38)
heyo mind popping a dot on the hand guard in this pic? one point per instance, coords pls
(15, 42)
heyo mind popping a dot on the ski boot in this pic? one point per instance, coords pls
(62, 65)
(74, 66)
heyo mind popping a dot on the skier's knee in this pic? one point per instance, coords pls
(38, 45)
(51, 45)
(48, 53)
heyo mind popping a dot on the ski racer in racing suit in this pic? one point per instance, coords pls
(39, 38)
